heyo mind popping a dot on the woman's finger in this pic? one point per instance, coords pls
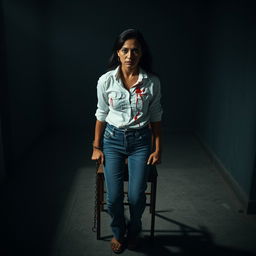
(149, 159)
(102, 159)
(155, 160)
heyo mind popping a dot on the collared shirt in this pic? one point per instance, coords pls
(133, 108)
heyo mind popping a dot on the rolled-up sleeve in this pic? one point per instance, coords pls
(155, 108)
(102, 105)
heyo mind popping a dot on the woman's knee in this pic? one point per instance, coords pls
(115, 201)
(137, 199)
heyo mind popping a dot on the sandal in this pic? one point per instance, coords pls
(116, 246)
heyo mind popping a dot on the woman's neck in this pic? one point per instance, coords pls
(129, 73)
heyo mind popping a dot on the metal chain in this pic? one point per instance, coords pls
(95, 201)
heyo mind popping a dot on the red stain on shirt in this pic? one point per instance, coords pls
(111, 102)
(136, 116)
(139, 94)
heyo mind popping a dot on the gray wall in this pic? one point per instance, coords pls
(2, 161)
(81, 38)
(226, 109)
(56, 51)
(25, 86)
(204, 54)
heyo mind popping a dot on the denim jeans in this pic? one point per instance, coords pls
(135, 145)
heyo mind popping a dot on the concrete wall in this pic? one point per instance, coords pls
(226, 110)
(55, 52)
(25, 85)
(204, 54)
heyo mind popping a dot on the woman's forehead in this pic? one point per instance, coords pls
(131, 43)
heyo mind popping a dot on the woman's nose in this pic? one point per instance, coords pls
(129, 54)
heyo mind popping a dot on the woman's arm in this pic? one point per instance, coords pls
(101, 114)
(156, 111)
(155, 157)
(97, 153)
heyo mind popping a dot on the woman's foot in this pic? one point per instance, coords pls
(117, 246)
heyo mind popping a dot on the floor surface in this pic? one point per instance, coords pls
(48, 204)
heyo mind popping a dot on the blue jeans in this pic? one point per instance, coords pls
(135, 145)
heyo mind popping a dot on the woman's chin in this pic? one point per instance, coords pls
(130, 65)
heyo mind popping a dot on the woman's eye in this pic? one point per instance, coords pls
(124, 50)
(136, 51)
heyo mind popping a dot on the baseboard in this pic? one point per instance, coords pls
(228, 178)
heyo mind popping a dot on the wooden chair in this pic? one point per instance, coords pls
(100, 202)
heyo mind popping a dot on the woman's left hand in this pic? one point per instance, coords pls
(154, 158)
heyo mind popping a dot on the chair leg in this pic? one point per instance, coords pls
(151, 198)
(153, 207)
(101, 192)
(99, 203)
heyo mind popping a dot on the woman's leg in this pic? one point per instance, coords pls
(114, 180)
(138, 175)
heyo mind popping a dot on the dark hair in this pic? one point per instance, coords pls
(146, 58)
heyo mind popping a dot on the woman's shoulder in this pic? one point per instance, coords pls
(106, 80)
(150, 75)
(154, 78)
(106, 76)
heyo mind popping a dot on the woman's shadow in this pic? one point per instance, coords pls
(185, 241)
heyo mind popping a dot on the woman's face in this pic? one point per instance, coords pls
(130, 54)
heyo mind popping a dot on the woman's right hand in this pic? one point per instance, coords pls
(98, 155)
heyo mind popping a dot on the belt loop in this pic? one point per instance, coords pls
(114, 130)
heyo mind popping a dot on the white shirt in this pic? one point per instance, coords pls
(133, 108)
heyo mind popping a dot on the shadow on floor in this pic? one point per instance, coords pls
(184, 241)
(186, 244)
(34, 198)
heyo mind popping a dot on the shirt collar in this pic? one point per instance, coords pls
(142, 74)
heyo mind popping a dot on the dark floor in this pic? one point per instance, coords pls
(48, 205)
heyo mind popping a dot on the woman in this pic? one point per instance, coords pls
(128, 111)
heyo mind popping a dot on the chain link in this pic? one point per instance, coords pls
(95, 201)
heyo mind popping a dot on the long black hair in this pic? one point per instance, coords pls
(146, 58)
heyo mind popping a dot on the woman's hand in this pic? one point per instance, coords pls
(98, 155)
(154, 158)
